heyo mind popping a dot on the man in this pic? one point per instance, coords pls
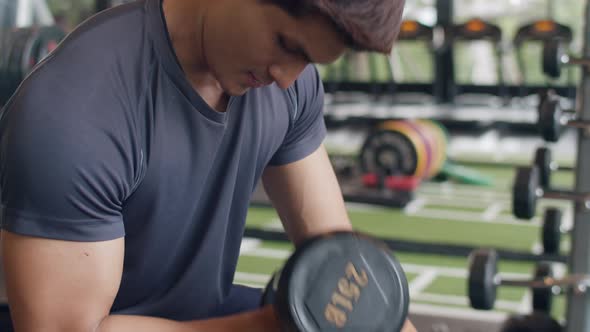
(129, 156)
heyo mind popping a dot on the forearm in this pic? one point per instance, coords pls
(262, 320)
(307, 197)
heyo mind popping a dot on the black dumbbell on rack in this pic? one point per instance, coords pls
(544, 161)
(552, 118)
(527, 189)
(552, 230)
(555, 57)
(484, 281)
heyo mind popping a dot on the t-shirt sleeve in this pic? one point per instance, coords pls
(66, 166)
(308, 128)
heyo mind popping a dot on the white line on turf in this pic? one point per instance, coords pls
(269, 253)
(537, 248)
(567, 221)
(463, 301)
(461, 313)
(525, 303)
(469, 217)
(492, 212)
(453, 190)
(415, 205)
(248, 244)
(464, 202)
(252, 277)
(423, 280)
(274, 224)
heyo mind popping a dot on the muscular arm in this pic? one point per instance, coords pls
(307, 196)
(70, 286)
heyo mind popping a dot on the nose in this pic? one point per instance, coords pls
(284, 74)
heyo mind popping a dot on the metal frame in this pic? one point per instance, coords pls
(578, 305)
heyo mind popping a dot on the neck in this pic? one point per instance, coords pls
(185, 21)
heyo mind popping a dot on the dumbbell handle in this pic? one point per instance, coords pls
(563, 194)
(567, 60)
(581, 124)
(580, 281)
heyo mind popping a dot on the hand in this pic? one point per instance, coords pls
(408, 327)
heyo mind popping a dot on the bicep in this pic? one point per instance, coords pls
(60, 285)
(307, 196)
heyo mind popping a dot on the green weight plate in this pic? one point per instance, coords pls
(465, 175)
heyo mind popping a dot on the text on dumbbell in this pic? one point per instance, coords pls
(348, 290)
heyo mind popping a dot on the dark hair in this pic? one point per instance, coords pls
(368, 25)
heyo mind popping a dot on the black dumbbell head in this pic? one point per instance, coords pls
(534, 322)
(552, 53)
(549, 121)
(342, 282)
(543, 160)
(524, 192)
(551, 232)
(482, 288)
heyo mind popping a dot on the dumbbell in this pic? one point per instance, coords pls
(544, 161)
(554, 57)
(342, 281)
(552, 231)
(527, 189)
(484, 280)
(552, 118)
(533, 322)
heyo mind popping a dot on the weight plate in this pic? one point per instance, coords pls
(551, 232)
(429, 145)
(418, 143)
(524, 192)
(440, 140)
(388, 152)
(549, 121)
(482, 288)
(543, 162)
(342, 282)
(543, 297)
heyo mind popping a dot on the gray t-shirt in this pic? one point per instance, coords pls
(107, 139)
